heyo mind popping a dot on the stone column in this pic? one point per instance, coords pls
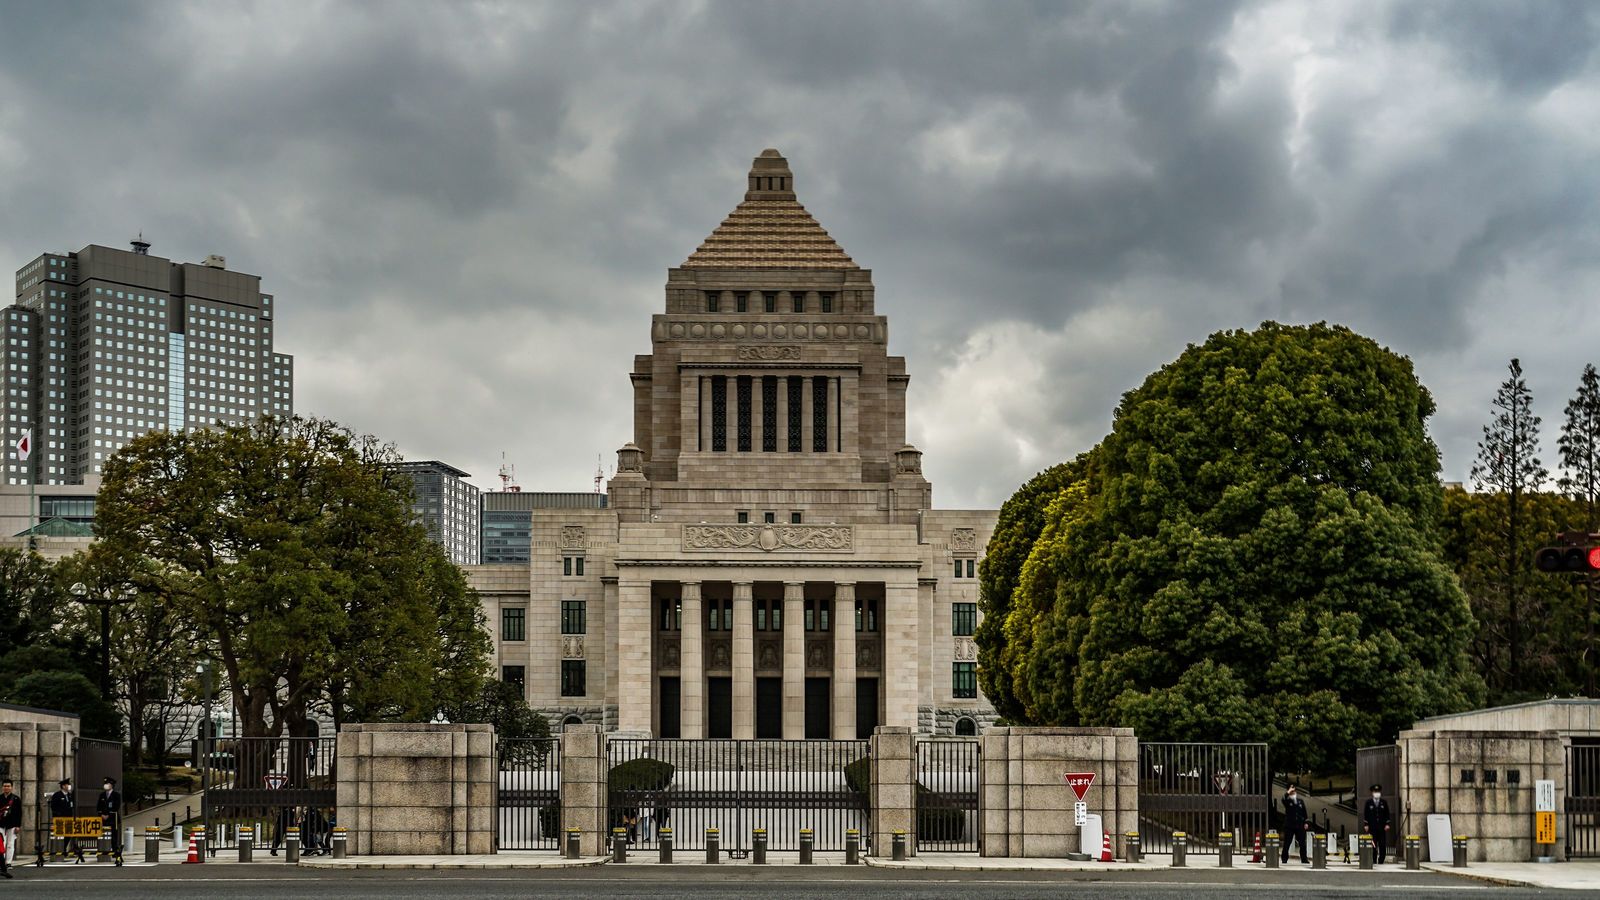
(730, 413)
(703, 410)
(794, 661)
(783, 414)
(894, 775)
(833, 415)
(691, 663)
(757, 413)
(584, 790)
(844, 661)
(417, 789)
(806, 418)
(899, 628)
(635, 688)
(744, 663)
(850, 412)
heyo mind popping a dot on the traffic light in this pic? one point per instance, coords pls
(1582, 560)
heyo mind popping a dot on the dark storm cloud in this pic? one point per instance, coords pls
(468, 208)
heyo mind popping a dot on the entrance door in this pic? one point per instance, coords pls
(819, 700)
(671, 708)
(719, 707)
(769, 709)
(866, 707)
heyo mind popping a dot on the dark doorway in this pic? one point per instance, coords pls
(719, 707)
(866, 707)
(819, 698)
(769, 709)
(671, 708)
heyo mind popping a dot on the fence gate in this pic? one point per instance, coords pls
(947, 796)
(269, 784)
(1583, 801)
(736, 787)
(1202, 790)
(529, 790)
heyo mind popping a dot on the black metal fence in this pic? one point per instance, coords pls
(736, 787)
(1583, 801)
(269, 784)
(529, 780)
(1202, 790)
(947, 796)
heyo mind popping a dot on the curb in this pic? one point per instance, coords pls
(329, 865)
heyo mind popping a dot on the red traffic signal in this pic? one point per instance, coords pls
(1583, 560)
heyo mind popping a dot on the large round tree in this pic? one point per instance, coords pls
(1258, 558)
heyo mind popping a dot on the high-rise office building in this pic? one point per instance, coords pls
(447, 505)
(507, 517)
(104, 345)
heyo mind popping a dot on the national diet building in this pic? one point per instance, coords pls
(769, 563)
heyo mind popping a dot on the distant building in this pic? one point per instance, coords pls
(447, 505)
(507, 516)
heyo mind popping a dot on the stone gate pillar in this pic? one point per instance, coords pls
(408, 789)
(585, 788)
(893, 793)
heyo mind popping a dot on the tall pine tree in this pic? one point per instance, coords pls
(1580, 479)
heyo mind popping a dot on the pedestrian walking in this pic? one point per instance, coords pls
(1294, 823)
(287, 819)
(64, 805)
(109, 806)
(10, 825)
(1375, 820)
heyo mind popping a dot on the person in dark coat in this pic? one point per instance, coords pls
(288, 817)
(109, 806)
(1294, 823)
(64, 805)
(1375, 820)
(10, 825)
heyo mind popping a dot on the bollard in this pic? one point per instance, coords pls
(102, 847)
(340, 835)
(898, 848)
(758, 846)
(713, 846)
(199, 835)
(573, 837)
(1131, 842)
(1225, 850)
(1458, 849)
(1365, 851)
(247, 840)
(805, 846)
(177, 835)
(152, 843)
(664, 843)
(1319, 854)
(1180, 849)
(619, 845)
(852, 847)
(291, 845)
(1413, 852)
(1274, 846)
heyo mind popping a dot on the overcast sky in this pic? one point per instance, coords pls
(467, 211)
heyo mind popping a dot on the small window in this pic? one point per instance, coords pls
(799, 300)
(573, 617)
(513, 624)
(1513, 776)
(573, 678)
(794, 518)
(972, 566)
(744, 517)
(1468, 776)
(571, 720)
(578, 567)
(770, 302)
(963, 619)
(867, 615)
(741, 302)
(827, 302)
(513, 675)
(713, 301)
(1491, 776)
(769, 517)
(671, 615)
(566, 565)
(964, 680)
(966, 727)
(958, 568)
(572, 565)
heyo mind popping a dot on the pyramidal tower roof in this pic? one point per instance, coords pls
(770, 229)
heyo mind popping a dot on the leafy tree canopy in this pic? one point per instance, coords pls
(69, 692)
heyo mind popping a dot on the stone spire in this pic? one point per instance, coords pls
(770, 229)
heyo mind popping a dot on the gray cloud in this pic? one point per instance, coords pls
(467, 210)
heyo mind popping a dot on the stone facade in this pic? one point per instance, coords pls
(1495, 807)
(37, 749)
(417, 789)
(767, 498)
(1024, 801)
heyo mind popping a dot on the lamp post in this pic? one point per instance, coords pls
(207, 745)
(81, 593)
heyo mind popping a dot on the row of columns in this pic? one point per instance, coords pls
(730, 402)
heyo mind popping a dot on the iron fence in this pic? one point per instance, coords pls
(529, 794)
(736, 787)
(947, 796)
(269, 783)
(1202, 790)
(1583, 801)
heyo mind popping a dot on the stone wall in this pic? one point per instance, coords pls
(1024, 803)
(892, 794)
(1495, 809)
(417, 789)
(36, 745)
(585, 788)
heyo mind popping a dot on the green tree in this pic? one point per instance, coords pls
(285, 547)
(1047, 620)
(32, 598)
(1580, 478)
(501, 704)
(1508, 467)
(73, 693)
(1259, 558)
(1018, 526)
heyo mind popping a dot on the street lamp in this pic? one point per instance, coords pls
(80, 592)
(206, 747)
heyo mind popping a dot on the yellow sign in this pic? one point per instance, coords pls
(1544, 827)
(76, 827)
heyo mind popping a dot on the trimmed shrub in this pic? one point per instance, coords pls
(858, 775)
(550, 819)
(642, 774)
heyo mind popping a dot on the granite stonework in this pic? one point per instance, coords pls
(1024, 803)
(1496, 807)
(37, 749)
(417, 789)
(892, 795)
(585, 788)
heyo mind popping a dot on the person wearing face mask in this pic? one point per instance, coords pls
(1375, 820)
(1294, 823)
(109, 806)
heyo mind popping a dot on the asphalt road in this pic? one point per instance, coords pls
(702, 884)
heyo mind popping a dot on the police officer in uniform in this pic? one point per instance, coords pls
(10, 825)
(64, 805)
(109, 806)
(1375, 820)
(1294, 823)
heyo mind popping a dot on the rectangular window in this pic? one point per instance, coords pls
(827, 302)
(743, 517)
(769, 518)
(573, 617)
(742, 302)
(963, 619)
(972, 566)
(794, 518)
(744, 387)
(713, 301)
(573, 678)
(671, 615)
(867, 615)
(816, 612)
(794, 413)
(769, 414)
(799, 298)
(770, 301)
(512, 675)
(719, 413)
(964, 680)
(513, 624)
(819, 414)
(958, 568)
(566, 565)
(572, 565)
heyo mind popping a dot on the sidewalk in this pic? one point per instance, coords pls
(503, 860)
(1572, 876)
(971, 862)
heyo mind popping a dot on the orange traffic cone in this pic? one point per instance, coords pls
(194, 851)
(1105, 848)
(1256, 857)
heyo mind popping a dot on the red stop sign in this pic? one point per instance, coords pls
(1079, 782)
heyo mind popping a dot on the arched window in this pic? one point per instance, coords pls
(571, 720)
(966, 727)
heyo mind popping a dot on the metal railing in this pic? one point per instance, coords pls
(947, 796)
(1202, 790)
(270, 782)
(529, 794)
(1583, 801)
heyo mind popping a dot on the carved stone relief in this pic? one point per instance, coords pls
(769, 657)
(769, 353)
(866, 656)
(572, 646)
(963, 539)
(669, 655)
(719, 655)
(965, 650)
(817, 655)
(572, 537)
(768, 538)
